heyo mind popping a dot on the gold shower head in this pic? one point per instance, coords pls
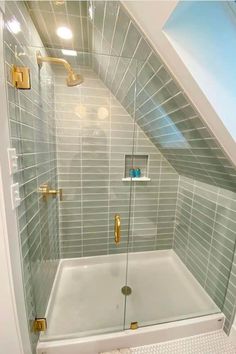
(73, 79)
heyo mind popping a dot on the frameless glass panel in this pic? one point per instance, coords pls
(32, 134)
(162, 286)
(90, 136)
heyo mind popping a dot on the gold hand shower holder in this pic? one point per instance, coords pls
(117, 229)
(46, 192)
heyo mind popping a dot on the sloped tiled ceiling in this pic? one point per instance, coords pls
(49, 15)
(162, 110)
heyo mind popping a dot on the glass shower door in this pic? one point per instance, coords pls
(107, 133)
(92, 137)
(161, 287)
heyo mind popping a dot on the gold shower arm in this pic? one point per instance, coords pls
(73, 79)
(41, 59)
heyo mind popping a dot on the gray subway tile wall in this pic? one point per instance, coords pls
(94, 133)
(204, 239)
(32, 133)
(162, 110)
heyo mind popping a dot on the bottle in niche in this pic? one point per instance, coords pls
(137, 172)
(132, 172)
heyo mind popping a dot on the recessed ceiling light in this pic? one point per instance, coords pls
(59, 3)
(14, 26)
(71, 53)
(64, 32)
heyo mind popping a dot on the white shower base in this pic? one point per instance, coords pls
(86, 303)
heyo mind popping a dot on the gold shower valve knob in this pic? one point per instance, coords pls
(46, 192)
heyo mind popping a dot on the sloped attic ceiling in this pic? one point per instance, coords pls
(49, 15)
(162, 110)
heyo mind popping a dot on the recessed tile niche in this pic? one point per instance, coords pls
(134, 162)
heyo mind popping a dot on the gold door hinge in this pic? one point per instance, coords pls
(134, 325)
(21, 77)
(40, 324)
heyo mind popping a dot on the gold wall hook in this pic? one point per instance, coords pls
(21, 77)
(46, 192)
(117, 229)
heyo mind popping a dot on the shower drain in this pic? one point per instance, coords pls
(126, 290)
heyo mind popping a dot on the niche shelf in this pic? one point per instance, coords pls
(139, 161)
(137, 179)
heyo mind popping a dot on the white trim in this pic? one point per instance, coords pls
(10, 340)
(136, 179)
(151, 17)
(129, 338)
(12, 304)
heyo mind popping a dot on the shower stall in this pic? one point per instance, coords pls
(117, 270)
(115, 240)
(112, 232)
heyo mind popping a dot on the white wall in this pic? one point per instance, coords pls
(10, 341)
(204, 35)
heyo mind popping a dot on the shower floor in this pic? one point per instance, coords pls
(86, 298)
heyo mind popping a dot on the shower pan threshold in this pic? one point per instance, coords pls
(85, 312)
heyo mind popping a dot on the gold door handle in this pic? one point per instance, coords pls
(117, 229)
(46, 192)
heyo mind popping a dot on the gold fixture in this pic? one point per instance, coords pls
(21, 77)
(40, 325)
(126, 290)
(134, 325)
(73, 79)
(46, 192)
(117, 229)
